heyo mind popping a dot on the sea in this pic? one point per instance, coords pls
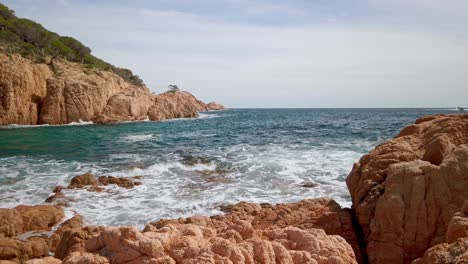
(195, 166)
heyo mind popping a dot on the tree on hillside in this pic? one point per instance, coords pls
(173, 88)
(80, 50)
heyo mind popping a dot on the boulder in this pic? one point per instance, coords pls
(83, 180)
(406, 190)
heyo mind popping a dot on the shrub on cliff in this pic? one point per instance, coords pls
(24, 36)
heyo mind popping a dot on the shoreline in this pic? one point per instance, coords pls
(433, 149)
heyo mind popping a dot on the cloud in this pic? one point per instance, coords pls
(362, 58)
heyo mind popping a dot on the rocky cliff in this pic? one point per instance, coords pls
(33, 93)
(406, 190)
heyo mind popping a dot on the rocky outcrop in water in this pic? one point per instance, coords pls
(406, 191)
(34, 93)
(214, 106)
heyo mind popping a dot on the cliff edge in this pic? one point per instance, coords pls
(36, 93)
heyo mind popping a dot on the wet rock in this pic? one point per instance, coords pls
(121, 182)
(309, 185)
(83, 180)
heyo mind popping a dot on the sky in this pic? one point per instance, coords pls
(272, 54)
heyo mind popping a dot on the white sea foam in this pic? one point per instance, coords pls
(174, 188)
(79, 123)
(137, 137)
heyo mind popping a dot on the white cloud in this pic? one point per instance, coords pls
(355, 64)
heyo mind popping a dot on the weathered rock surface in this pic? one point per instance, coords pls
(214, 106)
(406, 190)
(177, 104)
(119, 181)
(23, 219)
(46, 260)
(22, 89)
(26, 218)
(91, 183)
(17, 250)
(301, 232)
(32, 93)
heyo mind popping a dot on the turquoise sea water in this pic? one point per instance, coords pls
(192, 166)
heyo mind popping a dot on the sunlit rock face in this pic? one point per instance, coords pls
(406, 190)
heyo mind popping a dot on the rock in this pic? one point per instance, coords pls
(458, 226)
(71, 237)
(88, 258)
(17, 250)
(309, 185)
(406, 190)
(40, 217)
(454, 253)
(130, 105)
(307, 214)
(33, 93)
(172, 105)
(121, 182)
(22, 89)
(188, 243)
(46, 260)
(11, 223)
(214, 106)
(83, 180)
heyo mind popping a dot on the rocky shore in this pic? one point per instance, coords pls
(410, 205)
(37, 93)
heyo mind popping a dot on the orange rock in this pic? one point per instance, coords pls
(214, 106)
(406, 190)
(454, 253)
(39, 217)
(33, 93)
(23, 87)
(17, 250)
(11, 222)
(83, 180)
(121, 182)
(46, 260)
(172, 105)
(188, 243)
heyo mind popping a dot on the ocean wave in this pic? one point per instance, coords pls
(78, 123)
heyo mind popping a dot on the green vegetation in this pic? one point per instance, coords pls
(172, 88)
(24, 36)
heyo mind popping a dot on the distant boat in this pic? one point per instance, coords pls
(460, 108)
